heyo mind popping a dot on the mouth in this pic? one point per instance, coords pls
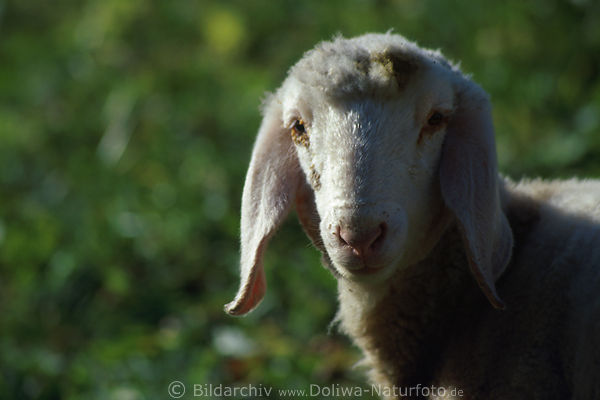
(361, 273)
(366, 272)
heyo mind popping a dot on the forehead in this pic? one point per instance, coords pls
(381, 65)
(345, 71)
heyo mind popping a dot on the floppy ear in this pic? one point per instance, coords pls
(469, 184)
(269, 192)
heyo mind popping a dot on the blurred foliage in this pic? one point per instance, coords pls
(125, 132)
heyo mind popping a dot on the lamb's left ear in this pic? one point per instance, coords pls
(470, 188)
(269, 192)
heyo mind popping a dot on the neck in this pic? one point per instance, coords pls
(401, 325)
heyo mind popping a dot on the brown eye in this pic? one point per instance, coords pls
(299, 127)
(435, 122)
(299, 134)
(436, 119)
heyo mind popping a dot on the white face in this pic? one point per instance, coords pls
(373, 166)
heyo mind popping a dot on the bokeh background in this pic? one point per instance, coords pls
(125, 131)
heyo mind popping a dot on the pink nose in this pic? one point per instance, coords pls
(363, 243)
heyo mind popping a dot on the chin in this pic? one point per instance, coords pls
(368, 276)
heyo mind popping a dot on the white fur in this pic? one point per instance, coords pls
(407, 212)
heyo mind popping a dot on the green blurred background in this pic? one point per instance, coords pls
(125, 131)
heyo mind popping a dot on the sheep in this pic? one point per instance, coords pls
(450, 276)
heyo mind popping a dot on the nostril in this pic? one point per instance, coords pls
(341, 234)
(378, 236)
(362, 242)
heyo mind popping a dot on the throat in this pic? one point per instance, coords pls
(403, 327)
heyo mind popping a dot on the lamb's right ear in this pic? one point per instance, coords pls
(269, 192)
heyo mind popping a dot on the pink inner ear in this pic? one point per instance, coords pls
(250, 295)
(254, 285)
(257, 290)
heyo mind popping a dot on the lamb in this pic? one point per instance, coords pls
(450, 277)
